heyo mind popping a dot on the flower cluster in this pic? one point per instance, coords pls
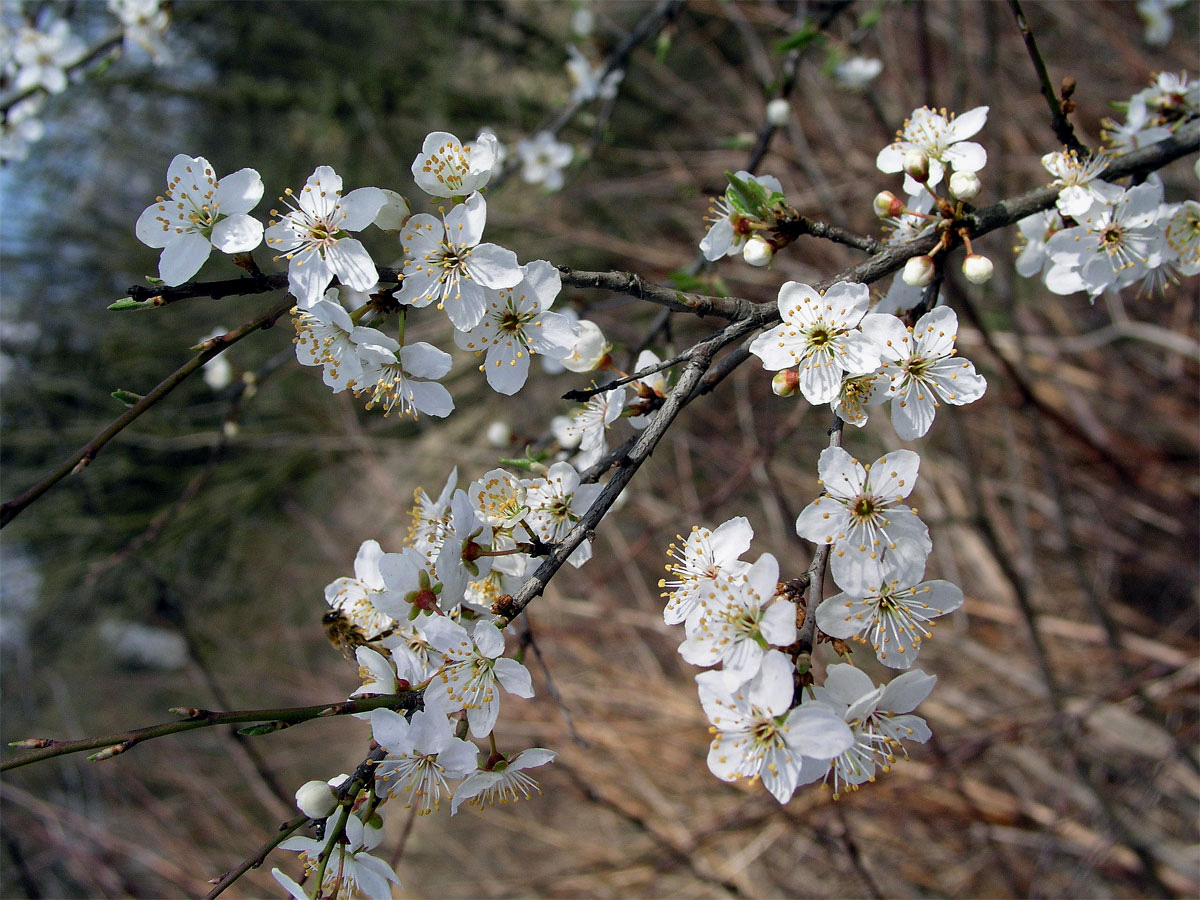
(840, 354)
(1103, 236)
(498, 308)
(422, 618)
(830, 347)
(737, 615)
(39, 52)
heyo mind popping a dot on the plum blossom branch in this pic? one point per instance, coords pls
(672, 298)
(114, 744)
(1006, 212)
(258, 283)
(98, 49)
(681, 394)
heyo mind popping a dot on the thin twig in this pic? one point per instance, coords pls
(1063, 130)
(203, 718)
(816, 570)
(285, 831)
(85, 454)
(585, 394)
(679, 396)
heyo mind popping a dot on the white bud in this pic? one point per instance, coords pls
(786, 383)
(758, 252)
(499, 434)
(977, 269)
(916, 164)
(778, 112)
(316, 799)
(218, 373)
(919, 271)
(964, 185)
(887, 205)
(583, 21)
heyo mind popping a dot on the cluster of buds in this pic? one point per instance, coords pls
(920, 271)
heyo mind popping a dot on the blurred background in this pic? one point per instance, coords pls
(185, 566)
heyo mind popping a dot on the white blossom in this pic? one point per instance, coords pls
(1080, 181)
(390, 373)
(589, 425)
(879, 719)
(517, 324)
(740, 623)
(42, 56)
(354, 597)
(921, 365)
(861, 514)
(446, 263)
(472, 670)
(727, 233)
(423, 754)
(857, 71)
(314, 236)
(558, 501)
(543, 159)
(1112, 246)
(706, 560)
(758, 736)
(323, 338)
(445, 168)
(350, 866)
(892, 613)
(819, 335)
(199, 212)
(941, 139)
(588, 81)
(503, 782)
(145, 23)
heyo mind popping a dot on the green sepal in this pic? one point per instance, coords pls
(154, 282)
(526, 463)
(798, 40)
(129, 398)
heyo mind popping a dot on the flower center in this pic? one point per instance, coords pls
(864, 508)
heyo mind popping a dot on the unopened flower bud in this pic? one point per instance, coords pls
(916, 164)
(888, 205)
(977, 269)
(964, 185)
(758, 252)
(499, 434)
(778, 112)
(919, 271)
(316, 799)
(786, 383)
